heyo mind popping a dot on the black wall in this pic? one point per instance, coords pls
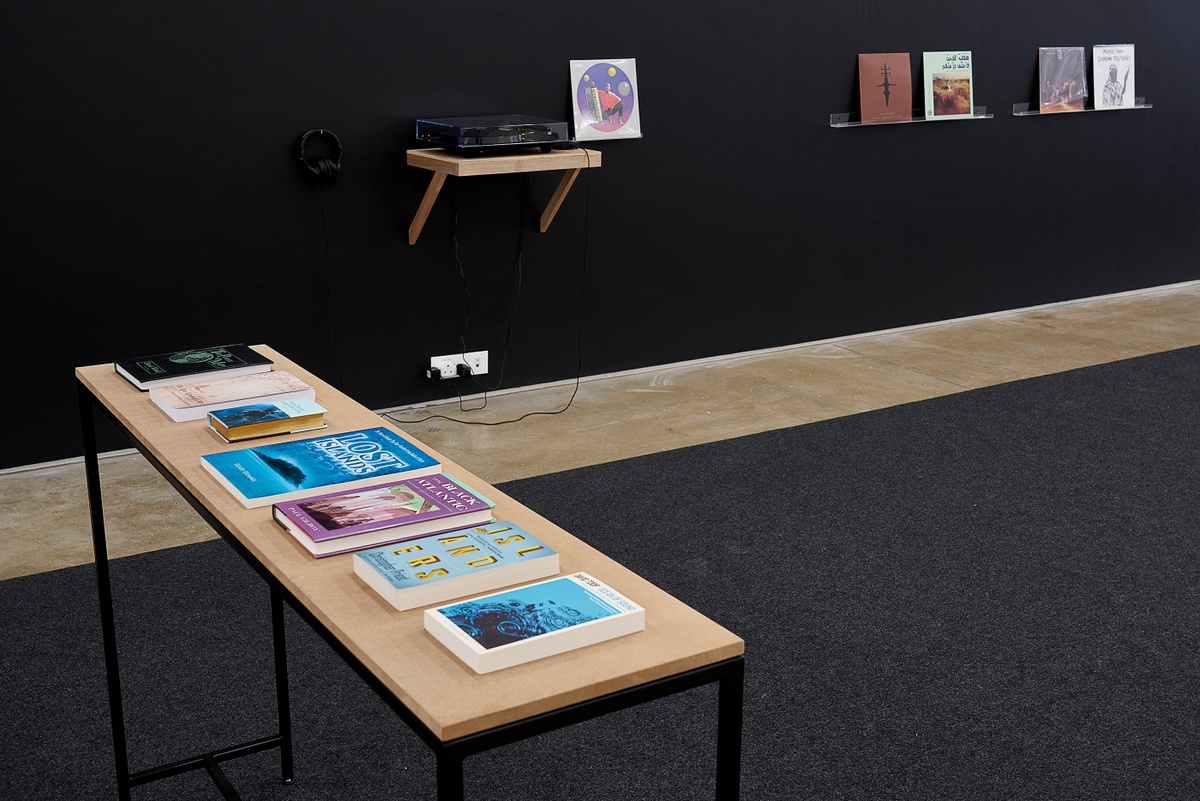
(152, 200)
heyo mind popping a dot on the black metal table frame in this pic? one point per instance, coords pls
(450, 754)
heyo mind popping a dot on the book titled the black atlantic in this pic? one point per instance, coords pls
(162, 369)
(347, 520)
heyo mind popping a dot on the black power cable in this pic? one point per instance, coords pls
(504, 357)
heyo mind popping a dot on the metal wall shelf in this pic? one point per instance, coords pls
(1032, 110)
(852, 119)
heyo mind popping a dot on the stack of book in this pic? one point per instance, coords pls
(263, 419)
(231, 386)
(418, 536)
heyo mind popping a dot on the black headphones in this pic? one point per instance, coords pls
(325, 169)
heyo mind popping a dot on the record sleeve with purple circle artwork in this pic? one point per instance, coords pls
(605, 100)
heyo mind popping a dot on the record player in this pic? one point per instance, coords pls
(478, 135)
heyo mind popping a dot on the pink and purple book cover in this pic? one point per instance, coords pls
(398, 503)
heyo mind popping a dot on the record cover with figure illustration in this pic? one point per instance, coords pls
(605, 100)
(1112, 70)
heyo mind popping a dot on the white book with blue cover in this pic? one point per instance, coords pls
(535, 621)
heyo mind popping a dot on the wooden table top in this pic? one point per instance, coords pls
(445, 694)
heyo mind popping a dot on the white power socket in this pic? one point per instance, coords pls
(447, 366)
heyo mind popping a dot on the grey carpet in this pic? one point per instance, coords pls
(984, 596)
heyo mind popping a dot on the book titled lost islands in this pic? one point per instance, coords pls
(535, 621)
(145, 372)
(437, 567)
(284, 471)
(347, 520)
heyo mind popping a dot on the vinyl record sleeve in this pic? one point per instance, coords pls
(605, 100)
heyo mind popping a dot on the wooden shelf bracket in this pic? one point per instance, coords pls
(443, 163)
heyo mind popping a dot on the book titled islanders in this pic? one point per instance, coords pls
(1062, 77)
(519, 625)
(884, 87)
(347, 520)
(1113, 64)
(454, 564)
(284, 471)
(948, 80)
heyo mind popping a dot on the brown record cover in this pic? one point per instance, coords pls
(1062, 73)
(885, 87)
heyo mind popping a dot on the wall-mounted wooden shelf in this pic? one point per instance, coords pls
(444, 162)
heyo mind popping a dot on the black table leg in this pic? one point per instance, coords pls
(91, 465)
(729, 732)
(126, 780)
(449, 776)
(282, 695)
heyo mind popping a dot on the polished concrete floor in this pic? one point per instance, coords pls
(43, 509)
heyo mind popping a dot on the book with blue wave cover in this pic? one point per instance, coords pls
(284, 471)
(522, 624)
